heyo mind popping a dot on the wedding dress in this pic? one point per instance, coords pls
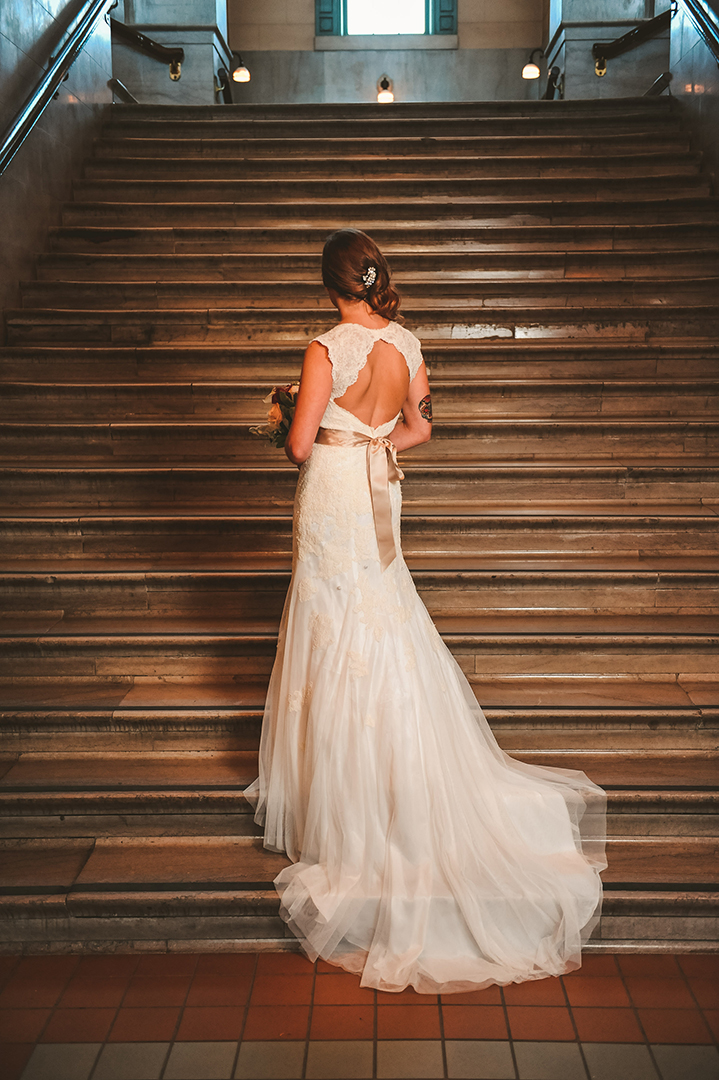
(422, 854)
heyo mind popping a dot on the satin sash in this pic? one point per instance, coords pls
(382, 469)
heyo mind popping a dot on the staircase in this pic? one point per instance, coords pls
(560, 261)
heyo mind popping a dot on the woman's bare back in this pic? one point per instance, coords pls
(380, 391)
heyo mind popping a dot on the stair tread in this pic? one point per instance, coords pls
(579, 511)
(98, 794)
(457, 424)
(199, 862)
(419, 562)
(232, 770)
(558, 562)
(526, 622)
(533, 691)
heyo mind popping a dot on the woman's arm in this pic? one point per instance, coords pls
(416, 425)
(314, 393)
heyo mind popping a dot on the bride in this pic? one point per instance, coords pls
(422, 854)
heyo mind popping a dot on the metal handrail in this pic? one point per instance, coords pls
(607, 50)
(59, 65)
(706, 26)
(136, 40)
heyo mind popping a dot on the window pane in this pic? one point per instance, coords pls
(385, 17)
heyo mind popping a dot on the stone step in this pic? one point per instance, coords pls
(467, 360)
(292, 267)
(658, 109)
(159, 490)
(382, 125)
(445, 592)
(318, 189)
(194, 772)
(391, 167)
(394, 239)
(563, 531)
(338, 148)
(475, 398)
(78, 866)
(466, 291)
(232, 919)
(664, 649)
(634, 711)
(335, 213)
(488, 319)
(223, 813)
(212, 443)
(104, 794)
(228, 918)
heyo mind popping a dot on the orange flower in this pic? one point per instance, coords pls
(274, 416)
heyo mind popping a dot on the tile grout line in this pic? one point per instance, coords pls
(305, 1056)
(638, 1019)
(375, 1029)
(574, 1027)
(179, 1015)
(443, 1048)
(510, 1038)
(114, 1019)
(236, 1059)
(700, 1010)
(53, 1008)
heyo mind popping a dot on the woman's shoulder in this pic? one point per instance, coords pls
(407, 343)
(403, 334)
(340, 331)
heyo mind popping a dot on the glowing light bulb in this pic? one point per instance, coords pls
(384, 90)
(241, 74)
(530, 71)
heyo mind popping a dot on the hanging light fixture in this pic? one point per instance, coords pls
(531, 69)
(384, 90)
(240, 73)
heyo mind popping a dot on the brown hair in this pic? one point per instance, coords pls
(347, 257)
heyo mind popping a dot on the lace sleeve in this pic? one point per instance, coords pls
(411, 350)
(347, 346)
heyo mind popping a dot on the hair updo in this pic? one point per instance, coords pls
(347, 259)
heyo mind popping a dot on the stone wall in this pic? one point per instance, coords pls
(696, 87)
(575, 25)
(277, 42)
(199, 27)
(39, 178)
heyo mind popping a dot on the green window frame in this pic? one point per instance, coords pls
(331, 17)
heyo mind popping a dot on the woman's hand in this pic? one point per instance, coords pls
(312, 399)
(416, 425)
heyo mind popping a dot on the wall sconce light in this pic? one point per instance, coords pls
(384, 90)
(531, 69)
(240, 73)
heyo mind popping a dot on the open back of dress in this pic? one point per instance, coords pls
(423, 854)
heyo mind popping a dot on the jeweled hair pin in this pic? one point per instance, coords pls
(370, 276)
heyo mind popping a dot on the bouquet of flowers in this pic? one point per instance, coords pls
(281, 400)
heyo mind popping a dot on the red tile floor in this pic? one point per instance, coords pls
(274, 1015)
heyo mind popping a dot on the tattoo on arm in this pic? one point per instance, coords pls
(425, 409)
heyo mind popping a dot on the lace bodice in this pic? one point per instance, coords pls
(349, 345)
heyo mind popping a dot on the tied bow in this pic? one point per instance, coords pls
(382, 469)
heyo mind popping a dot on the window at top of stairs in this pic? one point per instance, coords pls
(386, 17)
(362, 18)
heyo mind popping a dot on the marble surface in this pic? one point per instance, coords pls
(149, 81)
(39, 178)
(470, 74)
(197, 26)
